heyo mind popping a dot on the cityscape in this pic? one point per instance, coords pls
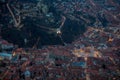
(59, 40)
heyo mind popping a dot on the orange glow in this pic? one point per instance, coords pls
(81, 50)
(110, 39)
(95, 55)
(78, 50)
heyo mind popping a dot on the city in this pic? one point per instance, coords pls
(90, 53)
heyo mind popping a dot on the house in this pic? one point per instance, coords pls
(5, 56)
